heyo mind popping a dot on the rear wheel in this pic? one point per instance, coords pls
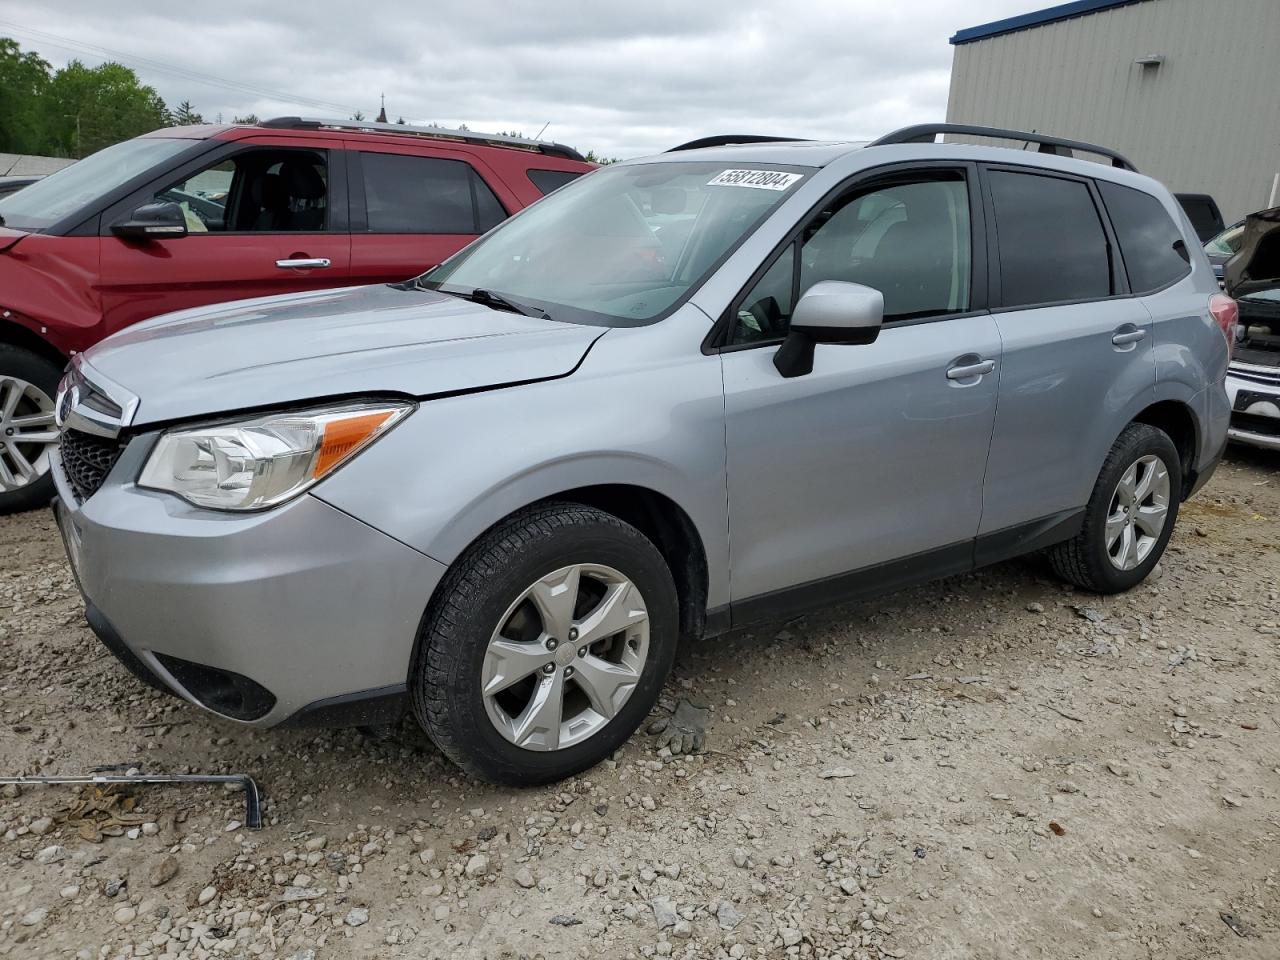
(28, 435)
(1130, 515)
(547, 646)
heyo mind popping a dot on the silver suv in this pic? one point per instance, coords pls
(680, 394)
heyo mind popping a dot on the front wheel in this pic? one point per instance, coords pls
(1130, 515)
(547, 645)
(28, 383)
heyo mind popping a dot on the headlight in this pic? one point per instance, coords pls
(262, 462)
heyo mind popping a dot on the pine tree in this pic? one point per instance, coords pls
(186, 115)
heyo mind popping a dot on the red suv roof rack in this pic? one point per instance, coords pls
(436, 133)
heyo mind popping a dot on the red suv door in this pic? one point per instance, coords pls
(264, 216)
(410, 212)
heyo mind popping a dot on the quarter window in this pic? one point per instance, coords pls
(405, 194)
(1052, 245)
(909, 240)
(1154, 251)
(548, 180)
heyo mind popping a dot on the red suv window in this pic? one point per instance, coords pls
(405, 194)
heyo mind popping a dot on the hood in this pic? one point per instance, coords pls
(357, 340)
(1256, 266)
(8, 237)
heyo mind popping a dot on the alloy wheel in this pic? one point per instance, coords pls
(566, 656)
(27, 433)
(1138, 512)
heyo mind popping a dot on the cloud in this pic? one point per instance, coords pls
(621, 79)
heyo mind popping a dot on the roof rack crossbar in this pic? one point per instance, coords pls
(437, 133)
(729, 139)
(925, 132)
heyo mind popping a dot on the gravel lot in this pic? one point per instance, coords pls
(992, 766)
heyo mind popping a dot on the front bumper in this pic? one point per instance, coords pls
(301, 612)
(1254, 394)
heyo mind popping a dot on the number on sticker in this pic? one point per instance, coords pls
(760, 179)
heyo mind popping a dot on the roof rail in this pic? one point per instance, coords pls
(729, 139)
(435, 133)
(925, 132)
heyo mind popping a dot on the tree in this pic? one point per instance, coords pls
(186, 115)
(603, 161)
(24, 79)
(358, 115)
(248, 120)
(88, 108)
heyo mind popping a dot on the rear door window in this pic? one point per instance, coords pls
(1154, 251)
(1052, 244)
(406, 194)
(548, 180)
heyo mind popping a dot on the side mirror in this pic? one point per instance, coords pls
(830, 312)
(153, 221)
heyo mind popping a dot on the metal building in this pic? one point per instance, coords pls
(1189, 90)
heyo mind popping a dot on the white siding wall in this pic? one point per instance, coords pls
(1206, 121)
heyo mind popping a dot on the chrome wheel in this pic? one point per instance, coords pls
(1138, 512)
(565, 658)
(27, 433)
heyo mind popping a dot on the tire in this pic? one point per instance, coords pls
(1088, 560)
(20, 367)
(494, 586)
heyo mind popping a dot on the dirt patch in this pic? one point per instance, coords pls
(992, 766)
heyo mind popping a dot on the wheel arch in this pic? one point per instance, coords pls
(17, 335)
(1177, 419)
(667, 524)
(670, 529)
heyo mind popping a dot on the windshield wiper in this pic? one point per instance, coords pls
(496, 300)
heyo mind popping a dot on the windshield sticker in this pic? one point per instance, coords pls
(760, 179)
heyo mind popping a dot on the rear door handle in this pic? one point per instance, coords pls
(305, 263)
(967, 370)
(1128, 336)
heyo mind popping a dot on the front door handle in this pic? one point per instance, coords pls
(1128, 336)
(304, 263)
(966, 370)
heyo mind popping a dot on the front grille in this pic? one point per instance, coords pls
(87, 459)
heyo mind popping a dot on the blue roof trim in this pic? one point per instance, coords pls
(1063, 11)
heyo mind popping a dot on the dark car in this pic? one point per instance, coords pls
(191, 216)
(1202, 210)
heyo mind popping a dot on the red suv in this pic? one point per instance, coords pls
(195, 215)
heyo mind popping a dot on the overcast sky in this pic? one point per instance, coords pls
(622, 78)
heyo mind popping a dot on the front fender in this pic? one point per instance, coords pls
(460, 464)
(50, 286)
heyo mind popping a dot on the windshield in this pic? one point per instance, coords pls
(47, 201)
(622, 245)
(1226, 243)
